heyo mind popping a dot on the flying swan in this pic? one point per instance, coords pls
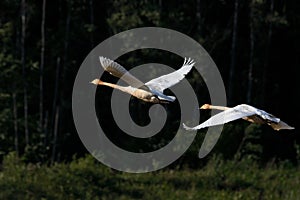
(243, 111)
(152, 91)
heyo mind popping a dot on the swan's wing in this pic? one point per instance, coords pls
(273, 121)
(261, 113)
(117, 70)
(163, 82)
(228, 115)
(162, 96)
(267, 116)
(280, 125)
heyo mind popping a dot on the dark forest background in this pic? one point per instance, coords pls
(254, 43)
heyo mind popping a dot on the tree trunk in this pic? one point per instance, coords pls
(45, 128)
(55, 98)
(198, 16)
(266, 62)
(65, 57)
(250, 72)
(23, 35)
(15, 114)
(66, 41)
(160, 6)
(55, 134)
(41, 106)
(91, 2)
(231, 79)
(63, 89)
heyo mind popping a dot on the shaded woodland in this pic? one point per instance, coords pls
(254, 43)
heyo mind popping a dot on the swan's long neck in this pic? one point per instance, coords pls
(218, 107)
(136, 92)
(123, 89)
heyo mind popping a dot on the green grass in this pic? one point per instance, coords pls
(86, 178)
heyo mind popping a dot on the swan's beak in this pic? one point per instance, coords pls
(95, 82)
(205, 106)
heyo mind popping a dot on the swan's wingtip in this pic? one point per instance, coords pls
(101, 58)
(188, 62)
(186, 127)
(286, 128)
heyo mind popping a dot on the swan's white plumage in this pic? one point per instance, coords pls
(238, 112)
(155, 86)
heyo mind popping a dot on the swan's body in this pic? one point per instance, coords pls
(152, 91)
(243, 111)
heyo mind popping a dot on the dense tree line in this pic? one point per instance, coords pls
(255, 44)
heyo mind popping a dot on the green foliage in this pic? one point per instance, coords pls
(85, 178)
(70, 34)
(241, 170)
(124, 15)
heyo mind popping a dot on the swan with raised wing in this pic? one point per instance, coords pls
(152, 91)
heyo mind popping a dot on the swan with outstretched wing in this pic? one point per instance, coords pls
(242, 111)
(152, 91)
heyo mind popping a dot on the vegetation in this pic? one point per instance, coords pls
(255, 44)
(85, 178)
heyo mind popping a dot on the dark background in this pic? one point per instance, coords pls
(254, 43)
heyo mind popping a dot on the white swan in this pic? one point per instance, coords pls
(243, 111)
(152, 91)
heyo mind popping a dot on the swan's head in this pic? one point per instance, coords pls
(205, 106)
(95, 81)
